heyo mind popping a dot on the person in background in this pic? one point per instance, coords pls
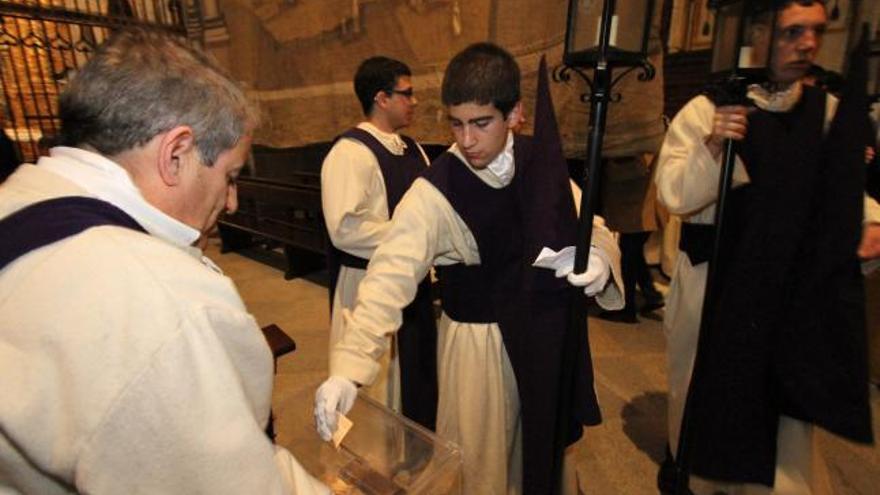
(629, 208)
(363, 178)
(10, 158)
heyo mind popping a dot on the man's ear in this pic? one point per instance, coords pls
(175, 146)
(381, 99)
(514, 117)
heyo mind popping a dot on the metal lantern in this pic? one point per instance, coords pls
(743, 37)
(602, 35)
(623, 26)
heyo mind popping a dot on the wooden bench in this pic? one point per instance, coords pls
(279, 204)
(280, 343)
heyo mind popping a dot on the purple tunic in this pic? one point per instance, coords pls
(549, 354)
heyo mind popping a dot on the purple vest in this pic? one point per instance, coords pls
(549, 355)
(398, 173)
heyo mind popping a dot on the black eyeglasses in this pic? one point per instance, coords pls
(403, 92)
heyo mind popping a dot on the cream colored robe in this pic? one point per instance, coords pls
(478, 404)
(128, 363)
(356, 214)
(687, 184)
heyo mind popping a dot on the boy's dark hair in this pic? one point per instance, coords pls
(803, 3)
(482, 73)
(377, 74)
(777, 5)
(760, 7)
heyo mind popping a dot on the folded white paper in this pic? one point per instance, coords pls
(553, 260)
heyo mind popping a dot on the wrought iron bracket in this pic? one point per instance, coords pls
(562, 73)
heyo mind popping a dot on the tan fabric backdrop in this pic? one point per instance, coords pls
(298, 57)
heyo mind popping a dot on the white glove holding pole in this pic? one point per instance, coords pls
(594, 279)
(562, 263)
(336, 394)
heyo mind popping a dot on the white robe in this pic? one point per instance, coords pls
(356, 213)
(687, 184)
(478, 403)
(128, 364)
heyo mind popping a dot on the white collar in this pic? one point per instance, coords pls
(503, 166)
(776, 101)
(500, 171)
(106, 180)
(390, 140)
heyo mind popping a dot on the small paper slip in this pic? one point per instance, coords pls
(552, 260)
(343, 426)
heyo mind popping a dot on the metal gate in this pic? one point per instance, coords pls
(43, 41)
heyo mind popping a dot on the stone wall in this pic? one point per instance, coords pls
(297, 57)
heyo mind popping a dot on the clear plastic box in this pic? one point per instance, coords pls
(383, 454)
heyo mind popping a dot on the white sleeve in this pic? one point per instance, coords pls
(193, 420)
(605, 244)
(424, 229)
(296, 479)
(687, 173)
(353, 198)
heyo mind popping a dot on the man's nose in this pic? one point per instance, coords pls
(809, 41)
(468, 138)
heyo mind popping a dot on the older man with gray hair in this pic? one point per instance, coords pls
(128, 362)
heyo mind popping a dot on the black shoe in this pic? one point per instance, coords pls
(667, 476)
(620, 316)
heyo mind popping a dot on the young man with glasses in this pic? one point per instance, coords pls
(362, 179)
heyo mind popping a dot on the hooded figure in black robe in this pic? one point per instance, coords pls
(787, 324)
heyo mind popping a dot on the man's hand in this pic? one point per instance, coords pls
(335, 394)
(870, 245)
(729, 122)
(594, 279)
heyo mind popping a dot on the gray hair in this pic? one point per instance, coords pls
(140, 84)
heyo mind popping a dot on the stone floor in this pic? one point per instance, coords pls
(618, 457)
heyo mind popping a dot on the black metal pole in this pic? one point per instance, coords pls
(600, 89)
(589, 192)
(692, 400)
(600, 96)
(593, 169)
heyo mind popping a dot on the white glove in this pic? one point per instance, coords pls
(594, 279)
(335, 394)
